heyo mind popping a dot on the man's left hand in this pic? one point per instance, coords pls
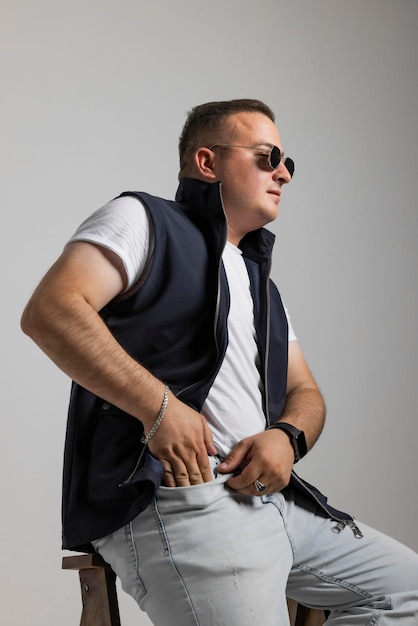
(266, 457)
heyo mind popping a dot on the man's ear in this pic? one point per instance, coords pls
(204, 163)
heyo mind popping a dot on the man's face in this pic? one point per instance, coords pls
(250, 188)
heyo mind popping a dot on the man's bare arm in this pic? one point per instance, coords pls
(305, 406)
(62, 318)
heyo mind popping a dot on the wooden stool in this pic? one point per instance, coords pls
(98, 589)
(100, 601)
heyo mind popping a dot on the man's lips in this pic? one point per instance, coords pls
(275, 192)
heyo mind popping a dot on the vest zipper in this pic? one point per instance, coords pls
(267, 343)
(356, 530)
(215, 325)
(127, 481)
(217, 308)
(341, 522)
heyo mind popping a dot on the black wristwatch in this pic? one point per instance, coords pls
(296, 436)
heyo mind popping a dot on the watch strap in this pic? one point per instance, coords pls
(296, 436)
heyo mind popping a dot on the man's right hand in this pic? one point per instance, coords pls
(183, 443)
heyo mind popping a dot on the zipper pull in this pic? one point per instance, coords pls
(351, 524)
(340, 526)
(356, 530)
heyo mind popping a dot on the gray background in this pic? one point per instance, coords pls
(94, 94)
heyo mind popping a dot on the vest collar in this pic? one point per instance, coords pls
(203, 200)
(200, 199)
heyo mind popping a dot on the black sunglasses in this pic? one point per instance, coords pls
(275, 155)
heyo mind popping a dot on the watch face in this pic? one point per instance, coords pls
(301, 444)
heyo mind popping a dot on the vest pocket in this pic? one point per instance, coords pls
(120, 467)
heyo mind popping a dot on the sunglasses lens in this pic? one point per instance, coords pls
(275, 160)
(289, 165)
(275, 157)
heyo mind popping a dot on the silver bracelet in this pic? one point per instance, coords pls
(145, 439)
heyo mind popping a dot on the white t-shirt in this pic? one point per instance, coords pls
(233, 408)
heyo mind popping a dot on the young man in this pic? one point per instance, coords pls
(192, 401)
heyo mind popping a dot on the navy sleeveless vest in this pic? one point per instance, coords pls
(175, 325)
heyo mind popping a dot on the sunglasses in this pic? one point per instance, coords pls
(275, 155)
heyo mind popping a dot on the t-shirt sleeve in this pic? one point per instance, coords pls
(292, 335)
(122, 226)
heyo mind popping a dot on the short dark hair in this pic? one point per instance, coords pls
(205, 122)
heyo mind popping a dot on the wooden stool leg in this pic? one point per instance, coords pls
(292, 607)
(309, 617)
(302, 616)
(98, 590)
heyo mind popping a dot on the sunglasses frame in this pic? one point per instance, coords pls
(287, 161)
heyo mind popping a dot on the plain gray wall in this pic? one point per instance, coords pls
(94, 94)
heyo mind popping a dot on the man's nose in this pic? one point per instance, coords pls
(282, 174)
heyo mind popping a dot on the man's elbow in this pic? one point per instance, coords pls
(33, 321)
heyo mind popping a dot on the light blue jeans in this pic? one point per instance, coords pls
(205, 555)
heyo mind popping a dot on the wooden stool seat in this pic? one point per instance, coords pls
(100, 600)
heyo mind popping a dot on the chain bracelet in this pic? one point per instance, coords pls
(145, 439)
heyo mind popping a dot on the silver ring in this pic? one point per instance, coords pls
(259, 485)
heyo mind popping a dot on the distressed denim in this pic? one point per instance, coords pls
(205, 555)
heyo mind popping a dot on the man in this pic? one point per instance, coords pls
(192, 401)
